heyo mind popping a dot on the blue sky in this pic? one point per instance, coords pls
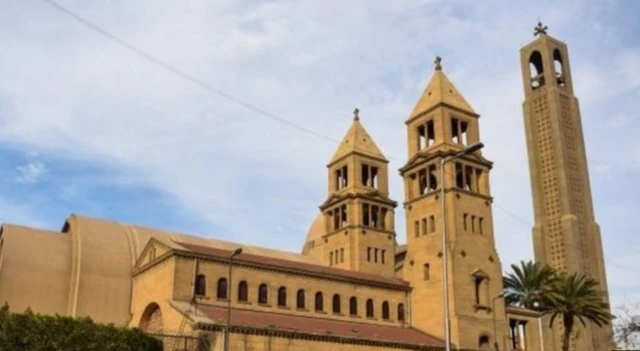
(88, 127)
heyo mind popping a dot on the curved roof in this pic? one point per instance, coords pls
(86, 269)
(316, 231)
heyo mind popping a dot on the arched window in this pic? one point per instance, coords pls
(243, 291)
(370, 313)
(353, 306)
(385, 310)
(263, 293)
(151, 321)
(536, 70)
(300, 303)
(282, 296)
(483, 342)
(558, 67)
(319, 301)
(200, 285)
(401, 312)
(222, 288)
(336, 303)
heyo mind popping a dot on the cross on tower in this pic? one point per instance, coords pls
(540, 29)
(438, 64)
(355, 114)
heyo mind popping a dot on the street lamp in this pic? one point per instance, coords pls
(495, 329)
(445, 272)
(235, 253)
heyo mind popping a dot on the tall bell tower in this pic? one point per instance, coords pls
(355, 230)
(565, 234)
(441, 125)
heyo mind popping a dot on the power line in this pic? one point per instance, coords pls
(228, 96)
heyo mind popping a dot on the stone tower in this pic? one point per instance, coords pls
(565, 234)
(440, 126)
(355, 230)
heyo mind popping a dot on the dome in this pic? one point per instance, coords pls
(316, 231)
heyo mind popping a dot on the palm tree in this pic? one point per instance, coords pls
(574, 297)
(529, 285)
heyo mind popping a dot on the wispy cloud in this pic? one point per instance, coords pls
(32, 171)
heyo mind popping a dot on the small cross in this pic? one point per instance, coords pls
(355, 114)
(438, 64)
(540, 29)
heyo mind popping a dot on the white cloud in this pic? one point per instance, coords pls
(32, 171)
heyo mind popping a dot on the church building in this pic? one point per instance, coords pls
(352, 287)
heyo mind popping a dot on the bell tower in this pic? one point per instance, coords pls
(440, 127)
(565, 234)
(357, 230)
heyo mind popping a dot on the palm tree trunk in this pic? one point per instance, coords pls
(566, 336)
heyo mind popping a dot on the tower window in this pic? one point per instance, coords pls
(342, 178)
(375, 213)
(459, 176)
(432, 224)
(424, 226)
(422, 179)
(383, 218)
(469, 183)
(382, 254)
(365, 215)
(341, 255)
(331, 258)
(477, 179)
(343, 211)
(416, 229)
(375, 255)
(481, 290)
(459, 131)
(426, 135)
(433, 180)
(480, 224)
(426, 274)
(557, 65)
(536, 70)
(473, 224)
(369, 176)
(483, 342)
(464, 221)
(369, 254)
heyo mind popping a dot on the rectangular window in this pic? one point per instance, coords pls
(336, 218)
(469, 183)
(383, 255)
(343, 210)
(473, 224)
(477, 179)
(369, 254)
(341, 255)
(416, 229)
(331, 258)
(369, 176)
(366, 218)
(375, 214)
(426, 274)
(365, 175)
(424, 226)
(422, 137)
(459, 176)
(478, 289)
(459, 130)
(464, 221)
(375, 255)
(342, 178)
(383, 218)
(432, 178)
(431, 133)
(455, 133)
(432, 220)
(480, 224)
(374, 177)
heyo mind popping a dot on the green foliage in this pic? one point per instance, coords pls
(34, 332)
(529, 285)
(566, 297)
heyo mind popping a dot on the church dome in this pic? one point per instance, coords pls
(315, 233)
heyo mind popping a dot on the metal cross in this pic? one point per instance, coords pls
(540, 29)
(438, 64)
(355, 114)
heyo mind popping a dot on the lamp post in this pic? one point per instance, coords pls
(495, 329)
(235, 253)
(540, 332)
(445, 272)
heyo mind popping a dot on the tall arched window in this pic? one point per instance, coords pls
(243, 291)
(282, 296)
(263, 293)
(336, 303)
(385, 310)
(536, 70)
(483, 342)
(353, 306)
(300, 303)
(558, 67)
(370, 313)
(200, 285)
(319, 302)
(222, 288)
(401, 312)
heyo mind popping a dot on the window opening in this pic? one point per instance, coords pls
(282, 296)
(300, 299)
(536, 70)
(464, 221)
(424, 226)
(375, 255)
(201, 285)
(558, 66)
(353, 306)
(416, 229)
(222, 288)
(422, 178)
(370, 313)
(336, 303)
(382, 255)
(459, 176)
(426, 274)
(433, 180)
(319, 302)
(401, 312)
(243, 291)
(385, 310)
(263, 294)
(432, 220)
